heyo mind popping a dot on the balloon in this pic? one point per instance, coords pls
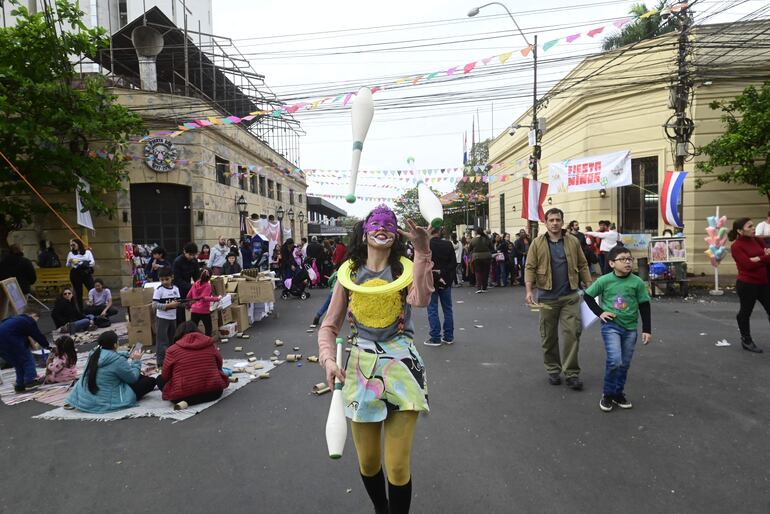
(410, 160)
(713, 249)
(720, 253)
(714, 261)
(710, 240)
(723, 232)
(723, 240)
(708, 252)
(721, 221)
(712, 221)
(711, 231)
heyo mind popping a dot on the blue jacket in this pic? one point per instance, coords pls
(113, 377)
(14, 332)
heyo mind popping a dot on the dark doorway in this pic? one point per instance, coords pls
(160, 214)
(638, 203)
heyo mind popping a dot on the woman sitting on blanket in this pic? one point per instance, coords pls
(66, 315)
(192, 368)
(62, 362)
(112, 381)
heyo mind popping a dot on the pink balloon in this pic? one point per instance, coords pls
(714, 261)
(723, 240)
(711, 231)
(721, 222)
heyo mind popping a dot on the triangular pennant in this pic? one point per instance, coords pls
(550, 44)
(504, 57)
(469, 67)
(595, 32)
(525, 51)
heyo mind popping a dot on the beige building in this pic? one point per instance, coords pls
(620, 101)
(195, 195)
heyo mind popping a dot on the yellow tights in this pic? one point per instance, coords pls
(399, 429)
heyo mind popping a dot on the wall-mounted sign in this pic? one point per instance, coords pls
(160, 154)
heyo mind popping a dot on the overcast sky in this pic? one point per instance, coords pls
(372, 47)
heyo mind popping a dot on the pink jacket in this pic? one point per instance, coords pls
(202, 293)
(57, 370)
(419, 296)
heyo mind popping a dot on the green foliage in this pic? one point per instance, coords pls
(49, 122)
(742, 152)
(479, 156)
(640, 29)
(408, 207)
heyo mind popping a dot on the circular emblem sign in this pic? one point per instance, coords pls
(160, 154)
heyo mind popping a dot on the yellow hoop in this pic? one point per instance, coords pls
(343, 275)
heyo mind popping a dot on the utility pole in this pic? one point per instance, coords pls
(679, 127)
(536, 151)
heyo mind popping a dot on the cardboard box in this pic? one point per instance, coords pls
(140, 315)
(226, 316)
(218, 286)
(140, 334)
(232, 285)
(228, 330)
(135, 296)
(240, 315)
(255, 291)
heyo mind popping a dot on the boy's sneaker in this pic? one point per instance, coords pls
(29, 386)
(431, 342)
(447, 341)
(621, 401)
(315, 322)
(605, 404)
(479, 291)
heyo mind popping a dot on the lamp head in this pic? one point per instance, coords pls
(473, 12)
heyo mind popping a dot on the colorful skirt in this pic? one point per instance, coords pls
(382, 377)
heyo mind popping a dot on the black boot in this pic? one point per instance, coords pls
(400, 497)
(375, 486)
(748, 345)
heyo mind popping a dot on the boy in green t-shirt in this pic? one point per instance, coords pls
(624, 297)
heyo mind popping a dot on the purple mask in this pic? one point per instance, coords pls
(381, 218)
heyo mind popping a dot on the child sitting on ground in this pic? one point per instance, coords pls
(624, 297)
(62, 362)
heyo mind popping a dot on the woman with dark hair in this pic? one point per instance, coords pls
(192, 369)
(203, 257)
(288, 266)
(481, 259)
(82, 263)
(377, 287)
(112, 380)
(66, 315)
(751, 258)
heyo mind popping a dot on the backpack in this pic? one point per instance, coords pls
(102, 322)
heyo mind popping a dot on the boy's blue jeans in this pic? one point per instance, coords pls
(22, 360)
(325, 306)
(619, 343)
(445, 295)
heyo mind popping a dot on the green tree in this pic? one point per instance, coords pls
(406, 206)
(50, 124)
(641, 28)
(742, 152)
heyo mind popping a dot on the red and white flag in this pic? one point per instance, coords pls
(533, 195)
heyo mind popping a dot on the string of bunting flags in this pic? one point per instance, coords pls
(343, 99)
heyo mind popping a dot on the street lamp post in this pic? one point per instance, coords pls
(301, 217)
(242, 211)
(279, 216)
(536, 152)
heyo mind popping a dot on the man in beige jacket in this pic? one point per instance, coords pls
(556, 266)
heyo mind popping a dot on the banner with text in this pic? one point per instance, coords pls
(590, 173)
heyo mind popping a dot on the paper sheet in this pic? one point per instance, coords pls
(587, 315)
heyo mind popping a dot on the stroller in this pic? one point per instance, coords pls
(297, 285)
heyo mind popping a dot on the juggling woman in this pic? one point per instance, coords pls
(385, 387)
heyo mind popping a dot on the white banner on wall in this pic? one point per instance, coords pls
(84, 217)
(590, 173)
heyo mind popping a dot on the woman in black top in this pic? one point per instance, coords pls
(66, 315)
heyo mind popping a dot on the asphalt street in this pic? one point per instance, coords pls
(499, 438)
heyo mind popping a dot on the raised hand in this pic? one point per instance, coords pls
(417, 235)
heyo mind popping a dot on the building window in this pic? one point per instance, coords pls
(638, 203)
(122, 13)
(299, 198)
(262, 188)
(270, 190)
(242, 180)
(291, 196)
(502, 213)
(222, 166)
(253, 182)
(279, 192)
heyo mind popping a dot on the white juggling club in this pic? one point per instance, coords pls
(363, 112)
(430, 206)
(336, 424)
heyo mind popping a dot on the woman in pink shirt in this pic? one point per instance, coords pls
(62, 363)
(200, 293)
(385, 387)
